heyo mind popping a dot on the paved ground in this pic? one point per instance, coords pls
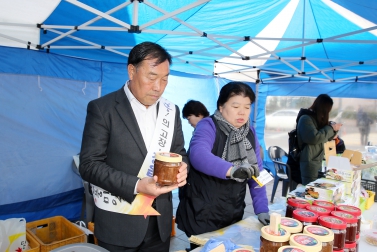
(180, 241)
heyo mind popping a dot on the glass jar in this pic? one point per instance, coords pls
(357, 242)
(306, 242)
(166, 168)
(293, 204)
(355, 211)
(325, 235)
(350, 247)
(291, 225)
(290, 248)
(338, 227)
(325, 204)
(320, 211)
(271, 242)
(351, 221)
(305, 216)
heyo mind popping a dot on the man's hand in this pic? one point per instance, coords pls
(244, 171)
(148, 185)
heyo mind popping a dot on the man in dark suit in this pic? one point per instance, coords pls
(122, 132)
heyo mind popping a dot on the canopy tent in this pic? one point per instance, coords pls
(70, 52)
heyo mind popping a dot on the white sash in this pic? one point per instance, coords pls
(161, 142)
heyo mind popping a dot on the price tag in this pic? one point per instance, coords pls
(263, 178)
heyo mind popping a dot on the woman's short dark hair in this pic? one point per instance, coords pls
(195, 108)
(322, 106)
(148, 50)
(232, 89)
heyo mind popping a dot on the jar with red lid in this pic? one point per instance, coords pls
(305, 216)
(351, 210)
(351, 224)
(291, 225)
(350, 247)
(325, 204)
(320, 211)
(338, 227)
(325, 235)
(357, 242)
(293, 204)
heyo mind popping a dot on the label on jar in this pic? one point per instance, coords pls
(169, 154)
(292, 250)
(333, 220)
(305, 213)
(348, 209)
(281, 232)
(318, 209)
(324, 203)
(344, 215)
(305, 240)
(289, 223)
(318, 231)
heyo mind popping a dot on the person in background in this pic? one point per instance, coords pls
(194, 111)
(313, 130)
(122, 132)
(363, 123)
(224, 155)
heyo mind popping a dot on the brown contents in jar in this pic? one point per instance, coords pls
(166, 168)
(270, 246)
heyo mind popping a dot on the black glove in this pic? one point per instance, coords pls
(264, 218)
(244, 171)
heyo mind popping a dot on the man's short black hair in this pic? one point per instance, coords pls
(148, 50)
(195, 108)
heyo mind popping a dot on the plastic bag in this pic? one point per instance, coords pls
(215, 242)
(13, 235)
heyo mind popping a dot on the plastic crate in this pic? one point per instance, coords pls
(370, 185)
(33, 243)
(55, 232)
(370, 200)
(82, 247)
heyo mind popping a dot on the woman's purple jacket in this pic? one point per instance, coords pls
(200, 156)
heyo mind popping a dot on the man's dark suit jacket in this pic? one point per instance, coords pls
(112, 153)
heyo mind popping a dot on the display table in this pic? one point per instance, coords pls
(247, 232)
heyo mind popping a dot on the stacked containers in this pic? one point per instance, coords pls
(306, 242)
(306, 217)
(325, 235)
(293, 204)
(351, 221)
(338, 227)
(355, 211)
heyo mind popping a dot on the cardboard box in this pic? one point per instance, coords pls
(349, 187)
(342, 169)
(325, 189)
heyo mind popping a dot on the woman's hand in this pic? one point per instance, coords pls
(336, 126)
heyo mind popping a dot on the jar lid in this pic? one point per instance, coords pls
(324, 204)
(291, 225)
(348, 218)
(297, 203)
(350, 245)
(168, 157)
(321, 233)
(332, 222)
(289, 248)
(318, 210)
(349, 209)
(267, 234)
(304, 215)
(306, 242)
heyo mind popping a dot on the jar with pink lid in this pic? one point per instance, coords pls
(305, 216)
(338, 227)
(351, 221)
(351, 210)
(350, 247)
(293, 204)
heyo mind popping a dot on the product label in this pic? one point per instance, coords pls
(292, 250)
(282, 232)
(289, 223)
(343, 215)
(318, 209)
(347, 208)
(333, 220)
(323, 203)
(318, 231)
(306, 213)
(305, 240)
